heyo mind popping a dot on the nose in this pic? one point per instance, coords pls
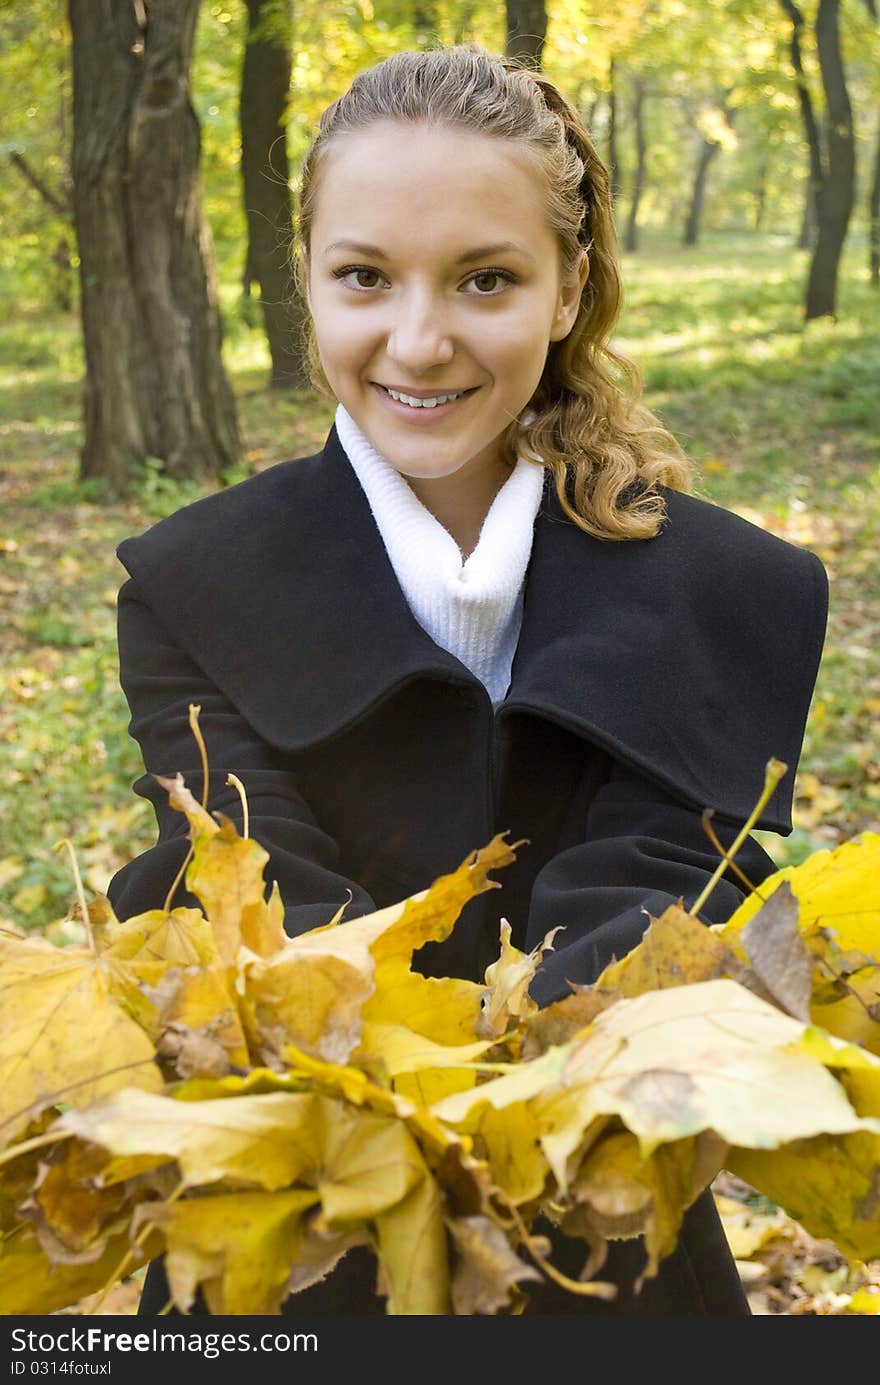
(418, 337)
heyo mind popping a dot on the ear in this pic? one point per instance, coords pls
(570, 299)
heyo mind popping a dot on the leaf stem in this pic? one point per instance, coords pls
(194, 711)
(591, 1288)
(166, 907)
(234, 779)
(81, 894)
(773, 772)
(722, 852)
(50, 1138)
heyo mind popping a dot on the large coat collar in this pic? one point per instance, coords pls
(690, 656)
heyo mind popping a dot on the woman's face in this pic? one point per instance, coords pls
(432, 272)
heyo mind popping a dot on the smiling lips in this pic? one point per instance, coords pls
(424, 399)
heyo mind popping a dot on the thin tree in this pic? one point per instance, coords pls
(265, 88)
(832, 168)
(631, 236)
(760, 193)
(874, 218)
(526, 30)
(874, 195)
(834, 200)
(806, 237)
(613, 154)
(154, 379)
(707, 151)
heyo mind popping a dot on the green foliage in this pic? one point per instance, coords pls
(689, 56)
(35, 44)
(158, 495)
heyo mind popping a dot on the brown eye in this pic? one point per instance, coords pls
(359, 270)
(486, 282)
(480, 280)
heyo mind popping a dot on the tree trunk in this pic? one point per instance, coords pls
(806, 238)
(761, 194)
(832, 179)
(632, 234)
(62, 279)
(155, 384)
(265, 84)
(707, 150)
(707, 153)
(834, 202)
(613, 157)
(526, 30)
(874, 219)
(807, 234)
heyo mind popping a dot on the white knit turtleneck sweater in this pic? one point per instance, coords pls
(472, 608)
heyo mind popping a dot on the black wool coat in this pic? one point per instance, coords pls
(652, 679)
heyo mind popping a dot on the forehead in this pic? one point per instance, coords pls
(392, 183)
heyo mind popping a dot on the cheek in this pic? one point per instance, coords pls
(521, 346)
(345, 328)
(339, 340)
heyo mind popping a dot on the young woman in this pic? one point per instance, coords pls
(489, 603)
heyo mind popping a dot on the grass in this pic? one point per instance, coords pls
(782, 419)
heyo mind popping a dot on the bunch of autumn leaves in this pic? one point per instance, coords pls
(195, 1083)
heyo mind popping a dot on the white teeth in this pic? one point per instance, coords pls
(423, 403)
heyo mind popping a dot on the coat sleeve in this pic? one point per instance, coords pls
(643, 850)
(160, 681)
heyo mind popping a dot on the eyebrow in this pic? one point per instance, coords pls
(480, 252)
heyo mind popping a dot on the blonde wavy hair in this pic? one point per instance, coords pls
(606, 451)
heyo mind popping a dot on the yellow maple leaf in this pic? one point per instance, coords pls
(179, 937)
(443, 1008)
(63, 1037)
(411, 1249)
(431, 914)
(226, 873)
(675, 950)
(311, 994)
(839, 922)
(31, 1284)
(239, 1247)
(265, 1141)
(506, 998)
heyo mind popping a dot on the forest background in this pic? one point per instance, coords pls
(744, 146)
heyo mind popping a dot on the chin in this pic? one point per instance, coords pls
(419, 457)
(414, 470)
